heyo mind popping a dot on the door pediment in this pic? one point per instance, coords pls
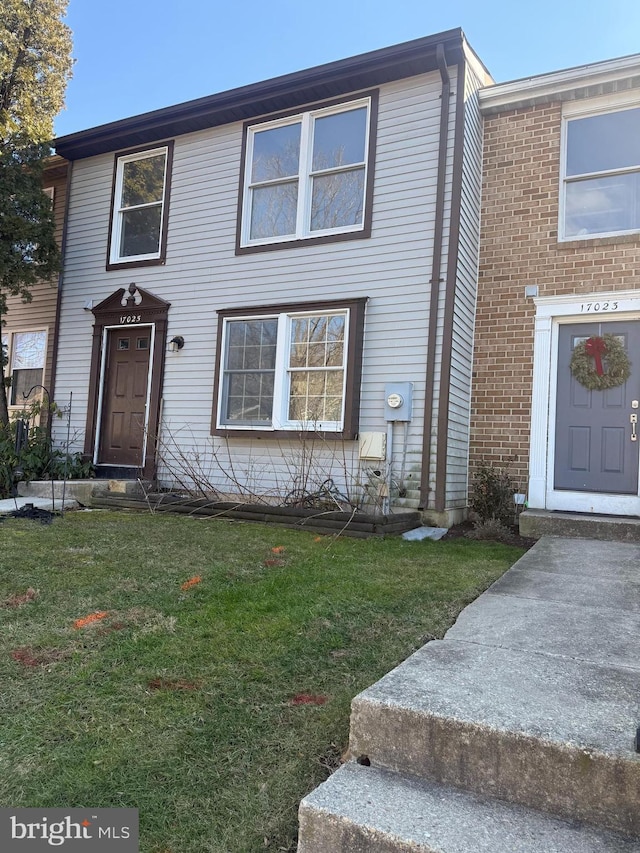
(128, 303)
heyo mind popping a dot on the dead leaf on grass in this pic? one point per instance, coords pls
(196, 579)
(90, 619)
(278, 549)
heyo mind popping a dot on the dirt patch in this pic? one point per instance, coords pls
(308, 699)
(18, 600)
(30, 657)
(109, 629)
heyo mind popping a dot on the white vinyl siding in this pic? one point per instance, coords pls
(465, 300)
(203, 275)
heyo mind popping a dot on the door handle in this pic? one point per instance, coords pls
(633, 420)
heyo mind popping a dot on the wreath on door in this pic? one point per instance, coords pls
(600, 363)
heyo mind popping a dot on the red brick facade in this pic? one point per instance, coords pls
(519, 246)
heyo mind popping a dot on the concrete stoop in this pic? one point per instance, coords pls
(535, 523)
(516, 732)
(83, 491)
(367, 810)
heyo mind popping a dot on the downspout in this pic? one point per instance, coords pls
(63, 252)
(435, 280)
(450, 297)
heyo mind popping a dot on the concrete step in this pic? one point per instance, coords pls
(368, 810)
(81, 490)
(528, 728)
(535, 523)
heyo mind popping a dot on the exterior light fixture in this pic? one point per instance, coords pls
(176, 344)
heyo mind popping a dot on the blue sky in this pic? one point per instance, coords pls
(133, 56)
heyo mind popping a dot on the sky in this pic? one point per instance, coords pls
(132, 56)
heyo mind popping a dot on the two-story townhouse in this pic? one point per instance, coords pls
(275, 285)
(557, 361)
(29, 331)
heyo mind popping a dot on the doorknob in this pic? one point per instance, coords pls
(633, 420)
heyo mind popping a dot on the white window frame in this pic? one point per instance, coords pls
(305, 174)
(577, 110)
(119, 210)
(9, 338)
(282, 372)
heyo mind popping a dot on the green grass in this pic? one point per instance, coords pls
(179, 702)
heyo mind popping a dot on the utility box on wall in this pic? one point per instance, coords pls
(373, 446)
(398, 401)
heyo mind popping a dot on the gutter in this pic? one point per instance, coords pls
(63, 248)
(435, 280)
(615, 75)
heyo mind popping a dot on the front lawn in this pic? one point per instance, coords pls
(201, 670)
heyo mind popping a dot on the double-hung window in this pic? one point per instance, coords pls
(140, 207)
(26, 356)
(290, 368)
(306, 175)
(601, 174)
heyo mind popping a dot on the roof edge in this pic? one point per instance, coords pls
(559, 85)
(256, 99)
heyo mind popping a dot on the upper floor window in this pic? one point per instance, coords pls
(140, 207)
(306, 175)
(601, 179)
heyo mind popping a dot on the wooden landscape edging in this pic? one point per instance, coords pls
(359, 524)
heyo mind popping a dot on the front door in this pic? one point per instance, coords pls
(124, 402)
(594, 447)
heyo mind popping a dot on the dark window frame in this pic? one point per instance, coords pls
(310, 239)
(162, 254)
(353, 368)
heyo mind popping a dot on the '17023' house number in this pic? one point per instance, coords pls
(594, 307)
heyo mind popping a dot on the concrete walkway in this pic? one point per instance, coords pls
(516, 732)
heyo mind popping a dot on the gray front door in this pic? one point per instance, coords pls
(594, 451)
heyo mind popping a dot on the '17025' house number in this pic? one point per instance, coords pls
(130, 318)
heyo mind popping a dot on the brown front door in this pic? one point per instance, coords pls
(124, 402)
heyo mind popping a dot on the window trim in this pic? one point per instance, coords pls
(114, 262)
(10, 336)
(243, 246)
(353, 367)
(579, 110)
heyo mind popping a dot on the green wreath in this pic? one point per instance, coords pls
(600, 363)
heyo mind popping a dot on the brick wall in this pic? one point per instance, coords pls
(518, 247)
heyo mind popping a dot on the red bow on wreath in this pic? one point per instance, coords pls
(596, 348)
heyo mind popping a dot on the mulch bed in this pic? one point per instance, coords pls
(462, 530)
